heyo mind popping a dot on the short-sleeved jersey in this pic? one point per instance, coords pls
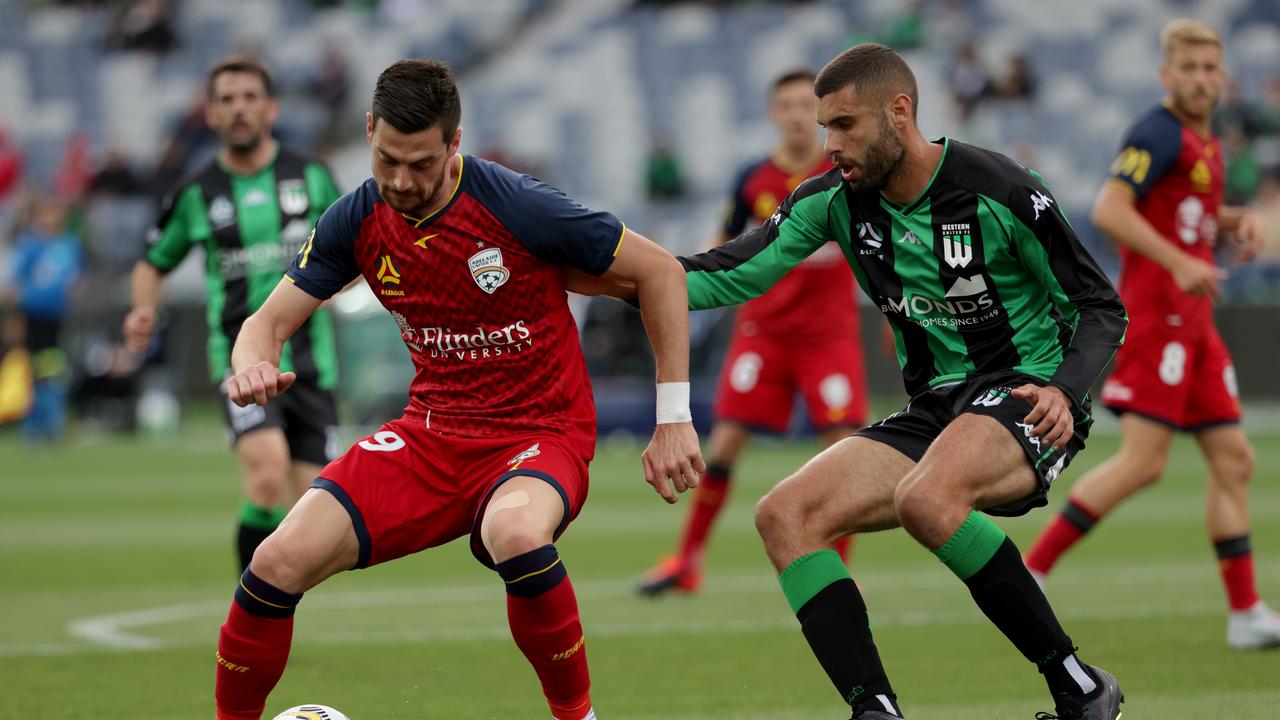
(478, 290)
(981, 273)
(1177, 176)
(250, 227)
(811, 304)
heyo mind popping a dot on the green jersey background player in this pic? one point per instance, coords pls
(251, 208)
(1001, 320)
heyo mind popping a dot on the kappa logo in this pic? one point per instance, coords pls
(868, 235)
(222, 214)
(909, 239)
(293, 196)
(487, 270)
(1026, 430)
(1039, 202)
(389, 276)
(532, 451)
(992, 397)
(957, 244)
(255, 197)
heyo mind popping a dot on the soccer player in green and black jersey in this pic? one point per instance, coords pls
(1002, 322)
(251, 209)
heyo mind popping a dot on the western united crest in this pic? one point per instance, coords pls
(293, 196)
(957, 244)
(487, 270)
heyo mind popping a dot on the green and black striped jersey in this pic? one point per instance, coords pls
(980, 273)
(250, 227)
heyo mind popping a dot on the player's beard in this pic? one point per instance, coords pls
(432, 198)
(884, 157)
(244, 145)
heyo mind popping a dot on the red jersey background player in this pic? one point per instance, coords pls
(800, 336)
(471, 259)
(1163, 206)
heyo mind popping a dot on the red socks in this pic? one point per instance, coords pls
(253, 648)
(1235, 562)
(543, 613)
(708, 500)
(1064, 530)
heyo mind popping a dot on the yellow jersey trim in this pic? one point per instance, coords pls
(618, 247)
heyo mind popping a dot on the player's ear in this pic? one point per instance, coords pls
(368, 126)
(456, 141)
(900, 110)
(273, 111)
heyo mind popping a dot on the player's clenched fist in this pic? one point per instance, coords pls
(673, 459)
(139, 326)
(258, 383)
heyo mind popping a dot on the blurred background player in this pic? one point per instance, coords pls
(250, 208)
(1163, 207)
(800, 336)
(47, 265)
(470, 259)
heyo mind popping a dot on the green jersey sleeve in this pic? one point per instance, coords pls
(1081, 292)
(751, 263)
(181, 224)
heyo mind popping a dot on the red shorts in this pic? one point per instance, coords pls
(761, 377)
(1184, 381)
(408, 488)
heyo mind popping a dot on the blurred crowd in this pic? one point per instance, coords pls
(67, 243)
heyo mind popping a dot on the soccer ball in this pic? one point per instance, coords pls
(311, 712)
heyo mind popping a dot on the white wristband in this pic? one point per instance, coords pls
(673, 403)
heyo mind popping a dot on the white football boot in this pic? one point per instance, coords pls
(1253, 629)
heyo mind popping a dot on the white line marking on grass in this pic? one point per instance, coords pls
(119, 632)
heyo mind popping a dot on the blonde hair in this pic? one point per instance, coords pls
(1185, 31)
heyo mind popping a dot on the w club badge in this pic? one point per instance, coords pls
(486, 268)
(957, 245)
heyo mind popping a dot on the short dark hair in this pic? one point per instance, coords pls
(239, 64)
(874, 69)
(790, 76)
(414, 95)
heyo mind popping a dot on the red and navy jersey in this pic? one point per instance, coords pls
(478, 290)
(812, 303)
(1177, 176)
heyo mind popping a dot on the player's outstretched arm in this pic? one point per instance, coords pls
(140, 323)
(255, 359)
(673, 459)
(1115, 214)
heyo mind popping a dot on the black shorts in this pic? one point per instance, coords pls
(306, 413)
(912, 430)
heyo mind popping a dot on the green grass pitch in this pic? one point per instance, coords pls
(118, 566)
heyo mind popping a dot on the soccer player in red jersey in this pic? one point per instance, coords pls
(800, 336)
(471, 259)
(1163, 206)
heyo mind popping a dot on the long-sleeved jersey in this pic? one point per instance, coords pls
(980, 273)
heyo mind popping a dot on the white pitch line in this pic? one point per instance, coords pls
(120, 631)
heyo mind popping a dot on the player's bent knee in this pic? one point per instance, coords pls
(513, 535)
(280, 565)
(775, 516)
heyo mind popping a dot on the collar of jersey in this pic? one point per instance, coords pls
(419, 222)
(914, 205)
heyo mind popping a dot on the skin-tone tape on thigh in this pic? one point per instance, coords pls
(510, 501)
